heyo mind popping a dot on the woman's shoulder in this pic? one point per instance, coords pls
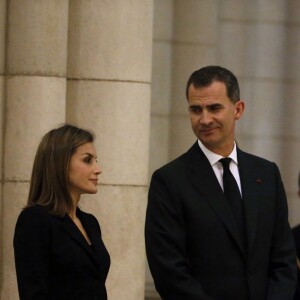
(34, 215)
(33, 226)
(34, 210)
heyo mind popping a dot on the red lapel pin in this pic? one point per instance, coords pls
(258, 181)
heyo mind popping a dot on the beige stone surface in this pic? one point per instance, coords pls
(267, 10)
(293, 8)
(266, 51)
(34, 105)
(2, 35)
(291, 109)
(14, 198)
(159, 142)
(234, 52)
(295, 204)
(163, 16)
(118, 113)
(161, 78)
(186, 59)
(266, 146)
(120, 211)
(258, 96)
(290, 157)
(37, 37)
(110, 40)
(292, 58)
(196, 21)
(182, 135)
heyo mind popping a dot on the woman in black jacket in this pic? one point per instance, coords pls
(59, 253)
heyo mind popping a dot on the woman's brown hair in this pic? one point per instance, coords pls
(49, 184)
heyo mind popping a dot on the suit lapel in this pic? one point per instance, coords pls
(250, 193)
(73, 231)
(204, 179)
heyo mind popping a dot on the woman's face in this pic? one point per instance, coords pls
(83, 171)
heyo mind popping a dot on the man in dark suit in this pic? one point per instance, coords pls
(199, 245)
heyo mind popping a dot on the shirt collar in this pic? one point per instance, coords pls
(214, 157)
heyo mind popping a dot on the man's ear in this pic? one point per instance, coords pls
(239, 109)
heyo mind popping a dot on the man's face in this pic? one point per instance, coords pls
(213, 116)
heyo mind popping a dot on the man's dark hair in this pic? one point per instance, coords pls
(207, 75)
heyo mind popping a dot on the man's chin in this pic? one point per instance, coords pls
(207, 139)
(209, 143)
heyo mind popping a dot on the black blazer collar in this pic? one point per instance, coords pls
(73, 231)
(204, 179)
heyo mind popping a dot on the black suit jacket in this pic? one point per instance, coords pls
(193, 246)
(54, 261)
(296, 234)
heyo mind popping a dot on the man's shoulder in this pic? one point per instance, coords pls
(252, 158)
(193, 154)
(175, 164)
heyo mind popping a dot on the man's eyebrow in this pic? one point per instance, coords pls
(208, 105)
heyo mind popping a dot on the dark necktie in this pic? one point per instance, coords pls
(233, 195)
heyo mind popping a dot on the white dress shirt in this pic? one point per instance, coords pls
(217, 166)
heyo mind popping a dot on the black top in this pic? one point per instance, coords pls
(53, 259)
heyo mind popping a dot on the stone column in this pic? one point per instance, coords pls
(35, 102)
(257, 57)
(258, 41)
(2, 91)
(290, 111)
(108, 91)
(194, 46)
(160, 97)
(185, 38)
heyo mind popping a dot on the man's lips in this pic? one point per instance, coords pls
(206, 130)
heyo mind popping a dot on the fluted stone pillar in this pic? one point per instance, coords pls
(185, 38)
(290, 113)
(160, 97)
(257, 57)
(194, 46)
(2, 90)
(258, 41)
(34, 103)
(108, 91)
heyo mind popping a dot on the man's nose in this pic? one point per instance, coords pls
(205, 118)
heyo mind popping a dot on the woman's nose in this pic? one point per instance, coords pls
(97, 170)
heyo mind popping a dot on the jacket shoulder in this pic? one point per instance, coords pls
(36, 211)
(251, 158)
